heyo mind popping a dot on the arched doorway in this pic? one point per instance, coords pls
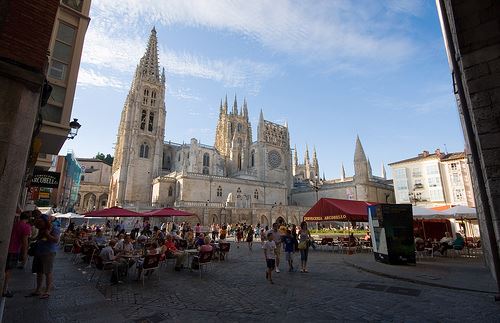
(103, 201)
(264, 221)
(280, 220)
(214, 218)
(89, 202)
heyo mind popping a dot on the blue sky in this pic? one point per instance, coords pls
(331, 69)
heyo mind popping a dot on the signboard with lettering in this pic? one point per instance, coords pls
(45, 179)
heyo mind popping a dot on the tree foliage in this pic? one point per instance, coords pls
(108, 159)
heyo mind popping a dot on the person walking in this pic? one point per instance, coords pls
(45, 253)
(277, 240)
(289, 246)
(18, 248)
(304, 239)
(250, 233)
(269, 248)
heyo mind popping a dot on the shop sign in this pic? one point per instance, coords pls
(45, 179)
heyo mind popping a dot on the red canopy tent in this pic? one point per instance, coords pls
(168, 211)
(327, 209)
(113, 212)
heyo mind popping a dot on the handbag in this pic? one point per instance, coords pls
(32, 249)
(302, 245)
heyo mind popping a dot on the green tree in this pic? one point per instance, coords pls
(108, 159)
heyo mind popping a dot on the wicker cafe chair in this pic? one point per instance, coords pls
(204, 259)
(151, 263)
(100, 265)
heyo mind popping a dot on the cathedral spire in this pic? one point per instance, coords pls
(295, 158)
(163, 79)
(306, 156)
(261, 128)
(383, 172)
(245, 108)
(359, 153)
(342, 173)
(225, 104)
(369, 167)
(149, 62)
(235, 106)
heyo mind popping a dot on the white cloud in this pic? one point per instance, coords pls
(183, 93)
(327, 30)
(89, 78)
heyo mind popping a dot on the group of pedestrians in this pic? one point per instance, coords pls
(289, 240)
(34, 234)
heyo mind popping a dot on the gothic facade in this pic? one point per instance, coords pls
(237, 179)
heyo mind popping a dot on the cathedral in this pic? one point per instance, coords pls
(237, 179)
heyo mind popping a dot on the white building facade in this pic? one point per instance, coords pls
(431, 180)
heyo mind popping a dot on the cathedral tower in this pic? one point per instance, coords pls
(234, 137)
(361, 164)
(138, 150)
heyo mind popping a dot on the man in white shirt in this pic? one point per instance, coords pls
(124, 245)
(119, 265)
(269, 248)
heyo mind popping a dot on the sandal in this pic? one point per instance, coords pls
(44, 296)
(33, 294)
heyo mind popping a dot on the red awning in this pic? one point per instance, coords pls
(113, 212)
(168, 211)
(327, 209)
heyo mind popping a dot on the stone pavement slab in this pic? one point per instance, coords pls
(236, 291)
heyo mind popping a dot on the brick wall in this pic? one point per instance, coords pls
(25, 31)
(475, 26)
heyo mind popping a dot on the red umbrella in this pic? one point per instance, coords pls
(168, 211)
(113, 212)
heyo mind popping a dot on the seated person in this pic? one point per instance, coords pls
(125, 245)
(189, 236)
(367, 236)
(419, 243)
(445, 243)
(352, 240)
(206, 246)
(223, 233)
(459, 242)
(153, 249)
(120, 266)
(99, 239)
(171, 251)
(200, 241)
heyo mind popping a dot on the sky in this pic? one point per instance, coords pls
(331, 69)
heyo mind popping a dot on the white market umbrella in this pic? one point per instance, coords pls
(69, 215)
(423, 213)
(461, 212)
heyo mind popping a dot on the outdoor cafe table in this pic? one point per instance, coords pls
(191, 253)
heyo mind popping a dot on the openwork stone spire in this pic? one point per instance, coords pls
(149, 66)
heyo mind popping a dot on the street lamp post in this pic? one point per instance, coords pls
(315, 185)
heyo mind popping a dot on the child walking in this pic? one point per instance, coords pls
(289, 246)
(269, 247)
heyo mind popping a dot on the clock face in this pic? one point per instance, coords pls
(274, 159)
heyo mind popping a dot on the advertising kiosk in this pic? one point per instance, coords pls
(391, 227)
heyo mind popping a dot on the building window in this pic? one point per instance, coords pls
(74, 4)
(238, 190)
(179, 157)
(256, 194)
(219, 191)
(143, 119)
(239, 127)
(434, 181)
(145, 97)
(205, 171)
(432, 170)
(239, 161)
(82, 178)
(436, 195)
(206, 160)
(252, 159)
(453, 166)
(153, 98)
(455, 179)
(144, 151)
(459, 194)
(62, 51)
(151, 121)
(415, 172)
(170, 191)
(400, 173)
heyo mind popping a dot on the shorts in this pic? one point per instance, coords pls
(289, 255)
(43, 264)
(277, 251)
(12, 259)
(270, 263)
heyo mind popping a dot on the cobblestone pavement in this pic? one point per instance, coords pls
(236, 291)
